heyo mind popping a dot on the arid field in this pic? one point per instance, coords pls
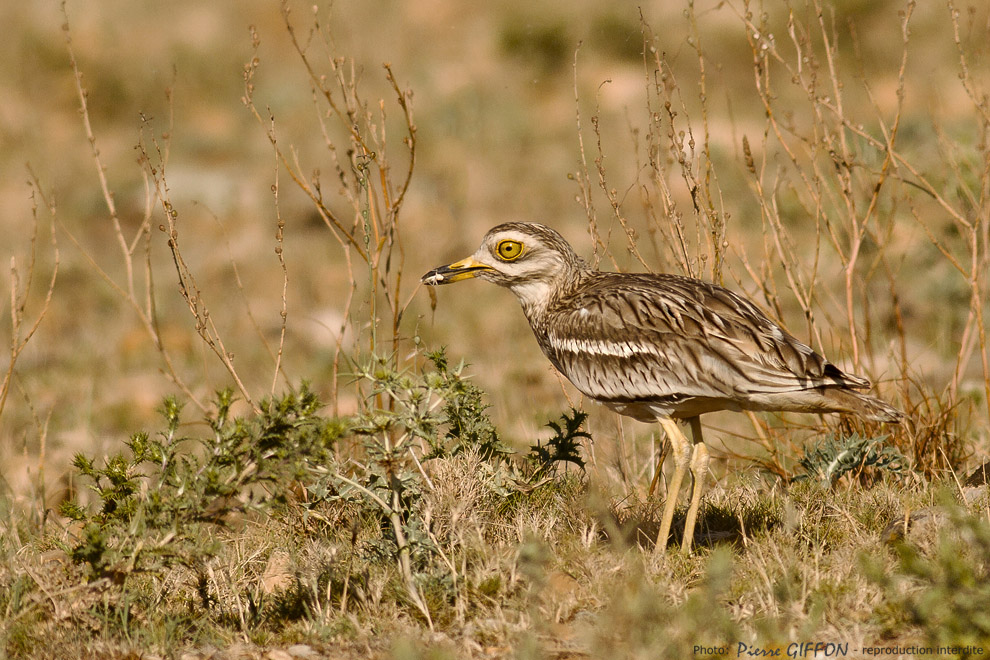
(234, 424)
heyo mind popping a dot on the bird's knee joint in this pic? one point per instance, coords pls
(682, 454)
(700, 458)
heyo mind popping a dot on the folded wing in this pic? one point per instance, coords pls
(666, 338)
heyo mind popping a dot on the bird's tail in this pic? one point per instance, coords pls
(866, 406)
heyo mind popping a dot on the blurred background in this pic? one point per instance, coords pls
(506, 100)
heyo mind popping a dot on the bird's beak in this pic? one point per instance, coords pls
(464, 269)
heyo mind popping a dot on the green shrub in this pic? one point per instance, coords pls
(159, 503)
(156, 502)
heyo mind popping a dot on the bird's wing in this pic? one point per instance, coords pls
(648, 336)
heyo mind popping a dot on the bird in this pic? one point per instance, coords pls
(659, 347)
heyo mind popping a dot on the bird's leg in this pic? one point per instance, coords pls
(699, 470)
(682, 458)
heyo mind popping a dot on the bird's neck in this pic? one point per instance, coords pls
(538, 295)
(534, 297)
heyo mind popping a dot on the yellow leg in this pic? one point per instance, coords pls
(682, 459)
(699, 470)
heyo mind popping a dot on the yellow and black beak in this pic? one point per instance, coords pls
(464, 269)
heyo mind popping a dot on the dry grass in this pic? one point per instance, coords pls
(830, 161)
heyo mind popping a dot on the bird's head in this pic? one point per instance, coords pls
(530, 259)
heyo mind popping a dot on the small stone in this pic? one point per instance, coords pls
(913, 526)
(240, 651)
(277, 576)
(979, 477)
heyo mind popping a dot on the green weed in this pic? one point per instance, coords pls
(836, 456)
(156, 502)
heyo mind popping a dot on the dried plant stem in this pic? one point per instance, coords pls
(144, 306)
(599, 246)
(188, 288)
(375, 200)
(22, 331)
(280, 252)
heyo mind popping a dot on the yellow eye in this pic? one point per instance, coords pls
(509, 250)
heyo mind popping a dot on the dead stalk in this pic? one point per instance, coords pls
(21, 330)
(143, 305)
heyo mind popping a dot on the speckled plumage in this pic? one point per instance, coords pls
(658, 347)
(651, 345)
